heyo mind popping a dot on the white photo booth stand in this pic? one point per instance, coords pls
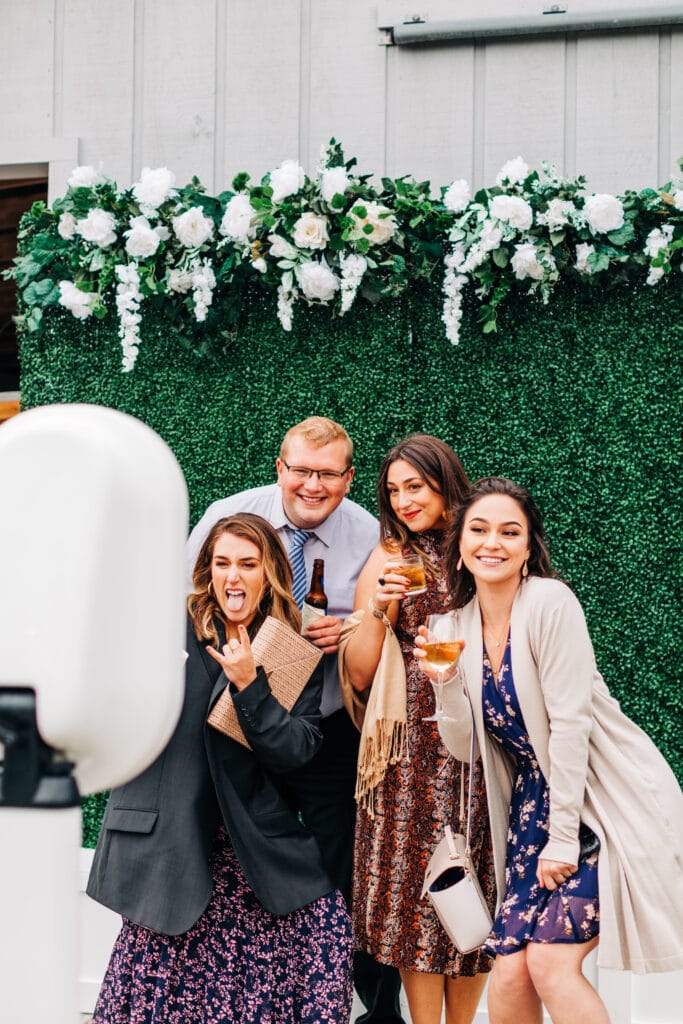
(93, 521)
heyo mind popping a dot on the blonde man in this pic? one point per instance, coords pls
(314, 475)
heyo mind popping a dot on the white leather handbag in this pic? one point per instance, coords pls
(452, 885)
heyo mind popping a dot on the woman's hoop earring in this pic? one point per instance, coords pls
(525, 570)
(458, 565)
(210, 590)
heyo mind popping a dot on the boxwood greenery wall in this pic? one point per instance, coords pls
(579, 400)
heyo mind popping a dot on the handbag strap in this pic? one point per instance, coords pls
(469, 793)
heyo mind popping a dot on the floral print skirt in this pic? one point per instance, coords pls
(239, 964)
(529, 913)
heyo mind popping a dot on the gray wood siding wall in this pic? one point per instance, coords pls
(212, 87)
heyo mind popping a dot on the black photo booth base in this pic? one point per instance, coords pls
(579, 400)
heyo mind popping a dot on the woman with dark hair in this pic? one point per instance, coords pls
(229, 915)
(408, 786)
(586, 816)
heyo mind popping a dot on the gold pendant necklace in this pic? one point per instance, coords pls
(495, 666)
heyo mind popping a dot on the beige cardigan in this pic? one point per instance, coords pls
(601, 768)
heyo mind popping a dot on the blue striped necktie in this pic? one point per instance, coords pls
(296, 559)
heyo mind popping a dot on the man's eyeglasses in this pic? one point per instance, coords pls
(326, 476)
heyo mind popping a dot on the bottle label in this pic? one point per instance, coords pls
(308, 614)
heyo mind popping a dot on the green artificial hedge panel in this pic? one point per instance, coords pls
(579, 400)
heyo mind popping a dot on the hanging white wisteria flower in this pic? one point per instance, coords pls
(128, 299)
(328, 240)
(203, 284)
(352, 269)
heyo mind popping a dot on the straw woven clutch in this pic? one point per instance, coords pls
(288, 661)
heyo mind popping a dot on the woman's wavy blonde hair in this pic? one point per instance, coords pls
(277, 597)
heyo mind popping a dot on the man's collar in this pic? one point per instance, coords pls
(324, 532)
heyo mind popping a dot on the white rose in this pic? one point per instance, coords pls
(457, 196)
(514, 172)
(310, 232)
(98, 227)
(78, 302)
(333, 181)
(180, 280)
(603, 213)
(557, 214)
(84, 176)
(655, 275)
(142, 240)
(678, 199)
(657, 240)
(260, 265)
(281, 249)
(513, 210)
(376, 217)
(240, 219)
(192, 228)
(525, 262)
(286, 179)
(491, 236)
(155, 186)
(582, 253)
(66, 227)
(317, 281)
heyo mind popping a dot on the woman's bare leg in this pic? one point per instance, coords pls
(569, 997)
(425, 994)
(462, 998)
(512, 998)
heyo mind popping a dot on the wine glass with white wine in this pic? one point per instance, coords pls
(443, 648)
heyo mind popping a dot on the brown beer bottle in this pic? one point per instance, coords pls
(315, 602)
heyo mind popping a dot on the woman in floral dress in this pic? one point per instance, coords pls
(229, 916)
(421, 481)
(586, 816)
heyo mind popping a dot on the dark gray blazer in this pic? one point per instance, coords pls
(152, 859)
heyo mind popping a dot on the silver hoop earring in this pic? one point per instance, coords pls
(458, 565)
(525, 570)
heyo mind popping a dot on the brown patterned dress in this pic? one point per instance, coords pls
(413, 803)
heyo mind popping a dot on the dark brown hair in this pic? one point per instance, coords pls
(439, 467)
(277, 599)
(461, 586)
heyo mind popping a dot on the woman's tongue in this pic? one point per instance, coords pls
(234, 600)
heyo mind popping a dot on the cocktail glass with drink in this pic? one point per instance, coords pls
(442, 648)
(411, 566)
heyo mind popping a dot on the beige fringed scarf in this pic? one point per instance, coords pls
(379, 713)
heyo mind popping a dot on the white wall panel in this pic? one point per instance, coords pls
(617, 110)
(524, 103)
(260, 54)
(431, 112)
(346, 84)
(97, 98)
(673, 115)
(26, 68)
(175, 100)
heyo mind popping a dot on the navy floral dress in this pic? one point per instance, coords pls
(529, 913)
(239, 964)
